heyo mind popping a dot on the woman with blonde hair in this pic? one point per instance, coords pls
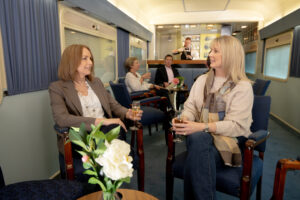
(79, 97)
(218, 111)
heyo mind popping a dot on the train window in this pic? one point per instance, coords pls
(277, 56)
(77, 28)
(250, 62)
(2, 71)
(138, 48)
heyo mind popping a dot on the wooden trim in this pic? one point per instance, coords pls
(285, 122)
(56, 174)
(151, 62)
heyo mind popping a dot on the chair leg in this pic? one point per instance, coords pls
(169, 173)
(141, 169)
(149, 128)
(68, 158)
(259, 183)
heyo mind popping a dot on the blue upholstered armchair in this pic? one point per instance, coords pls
(151, 113)
(236, 181)
(138, 94)
(260, 86)
(41, 190)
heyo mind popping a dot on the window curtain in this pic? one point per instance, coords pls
(295, 60)
(30, 33)
(123, 50)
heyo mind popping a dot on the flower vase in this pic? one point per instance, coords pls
(111, 196)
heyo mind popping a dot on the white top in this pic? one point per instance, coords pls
(170, 74)
(134, 84)
(91, 105)
(238, 112)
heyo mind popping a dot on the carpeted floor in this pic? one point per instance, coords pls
(282, 144)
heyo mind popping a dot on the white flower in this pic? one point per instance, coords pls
(115, 160)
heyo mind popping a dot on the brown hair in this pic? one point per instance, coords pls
(168, 55)
(70, 60)
(129, 62)
(188, 38)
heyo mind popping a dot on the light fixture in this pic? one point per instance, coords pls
(193, 26)
(233, 33)
(244, 26)
(160, 26)
(187, 26)
(176, 26)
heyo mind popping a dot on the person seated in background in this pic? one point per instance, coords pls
(133, 80)
(79, 97)
(218, 109)
(186, 50)
(165, 74)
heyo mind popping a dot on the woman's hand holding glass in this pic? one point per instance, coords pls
(186, 127)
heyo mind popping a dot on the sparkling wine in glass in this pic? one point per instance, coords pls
(135, 110)
(178, 119)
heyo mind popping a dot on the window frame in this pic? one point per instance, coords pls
(250, 48)
(134, 41)
(99, 29)
(277, 41)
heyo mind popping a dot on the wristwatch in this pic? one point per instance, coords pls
(206, 128)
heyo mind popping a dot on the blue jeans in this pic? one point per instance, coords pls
(202, 161)
(201, 166)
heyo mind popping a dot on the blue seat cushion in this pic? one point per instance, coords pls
(228, 178)
(45, 189)
(151, 115)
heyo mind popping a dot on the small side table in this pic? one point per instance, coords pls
(127, 195)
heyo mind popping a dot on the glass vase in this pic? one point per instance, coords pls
(110, 196)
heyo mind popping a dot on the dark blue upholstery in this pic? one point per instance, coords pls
(150, 115)
(42, 189)
(229, 178)
(260, 86)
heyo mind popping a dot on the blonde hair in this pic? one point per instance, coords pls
(70, 61)
(233, 57)
(129, 62)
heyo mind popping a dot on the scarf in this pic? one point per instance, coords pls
(213, 110)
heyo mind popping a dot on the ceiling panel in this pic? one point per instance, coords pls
(204, 5)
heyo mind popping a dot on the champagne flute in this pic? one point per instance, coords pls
(135, 110)
(178, 119)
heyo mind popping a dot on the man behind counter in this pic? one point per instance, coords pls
(185, 51)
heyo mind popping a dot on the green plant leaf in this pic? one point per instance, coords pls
(83, 153)
(99, 152)
(86, 165)
(82, 132)
(113, 134)
(90, 172)
(76, 138)
(126, 180)
(94, 129)
(119, 183)
(94, 180)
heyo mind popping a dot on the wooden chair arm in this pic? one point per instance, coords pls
(250, 145)
(282, 167)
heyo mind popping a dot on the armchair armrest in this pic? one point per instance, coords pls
(282, 167)
(257, 141)
(140, 94)
(60, 130)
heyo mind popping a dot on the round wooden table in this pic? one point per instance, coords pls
(127, 195)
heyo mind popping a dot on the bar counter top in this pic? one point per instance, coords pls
(203, 62)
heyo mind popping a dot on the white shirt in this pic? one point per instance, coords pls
(91, 105)
(170, 74)
(134, 84)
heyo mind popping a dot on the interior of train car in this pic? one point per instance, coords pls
(234, 103)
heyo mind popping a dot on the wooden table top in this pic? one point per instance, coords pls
(127, 195)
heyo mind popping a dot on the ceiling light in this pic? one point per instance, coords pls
(176, 26)
(187, 26)
(193, 26)
(210, 25)
(160, 26)
(244, 26)
(233, 33)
